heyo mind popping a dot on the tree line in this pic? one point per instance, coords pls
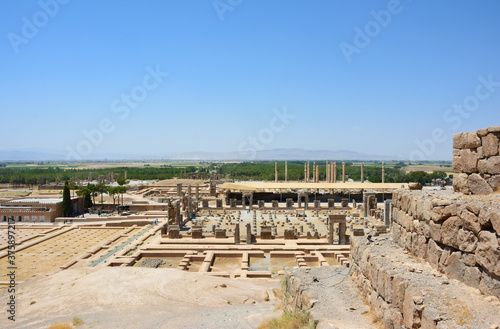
(262, 170)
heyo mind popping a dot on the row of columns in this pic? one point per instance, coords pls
(331, 172)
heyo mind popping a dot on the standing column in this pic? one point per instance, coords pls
(249, 234)
(286, 171)
(314, 172)
(383, 172)
(237, 233)
(327, 172)
(362, 173)
(317, 174)
(387, 213)
(308, 172)
(343, 172)
(335, 172)
(276, 172)
(305, 172)
(197, 195)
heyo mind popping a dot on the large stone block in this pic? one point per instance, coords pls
(435, 231)
(466, 162)
(494, 182)
(488, 252)
(477, 185)
(449, 231)
(466, 241)
(433, 253)
(472, 276)
(489, 285)
(489, 166)
(470, 220)
(494, 129)
(466, 140)
(460, 183)
(495, 220)
(490, 145)
(455, 266)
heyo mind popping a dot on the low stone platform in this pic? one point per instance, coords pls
(406, 292)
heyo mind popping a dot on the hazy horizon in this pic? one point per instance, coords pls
(390, 78)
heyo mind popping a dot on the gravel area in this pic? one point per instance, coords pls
(337, 302)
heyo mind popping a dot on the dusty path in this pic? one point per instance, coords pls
(338, 302)
(142, 298)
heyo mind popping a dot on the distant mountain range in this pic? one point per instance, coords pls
(277, 154)
(284, 154)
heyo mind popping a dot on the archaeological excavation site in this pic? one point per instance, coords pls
(203, 251)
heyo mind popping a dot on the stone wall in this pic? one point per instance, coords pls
(406, 292)
(476, 161)
(458, 235)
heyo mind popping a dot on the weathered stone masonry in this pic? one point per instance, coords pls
(476, 161)
(456, 234)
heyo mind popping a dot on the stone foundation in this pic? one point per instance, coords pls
(476, 161)
(406, 292)
(458, 235)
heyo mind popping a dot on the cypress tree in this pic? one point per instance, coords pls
(66, 202)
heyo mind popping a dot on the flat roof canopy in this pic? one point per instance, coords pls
(267, 186)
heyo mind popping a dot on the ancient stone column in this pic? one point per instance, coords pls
(387, 213)
(249, 233)
(237, 233)
(383, 172)
(335, 172)
(343, 172)
(317, 174)
(308, 172)
(362, 173)
(276, 172)
(327, 172)
(286, 171)
(305, 172)
(189, 190)
(342, 237)
(179, 189)
(197, 192)
(330, 233)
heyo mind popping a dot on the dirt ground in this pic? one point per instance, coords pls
(339, 305)
(142, 298)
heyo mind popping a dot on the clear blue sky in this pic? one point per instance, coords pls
(231, 63)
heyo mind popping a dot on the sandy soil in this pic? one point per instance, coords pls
(142, 298)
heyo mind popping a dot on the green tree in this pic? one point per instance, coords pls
(86, 193)
(101, 188)
(114, 192)
(66, 202)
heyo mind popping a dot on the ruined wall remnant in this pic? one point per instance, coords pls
(476, 161)
(458, 235)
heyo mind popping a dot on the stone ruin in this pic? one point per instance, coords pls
(476, 161)
(457, 234)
